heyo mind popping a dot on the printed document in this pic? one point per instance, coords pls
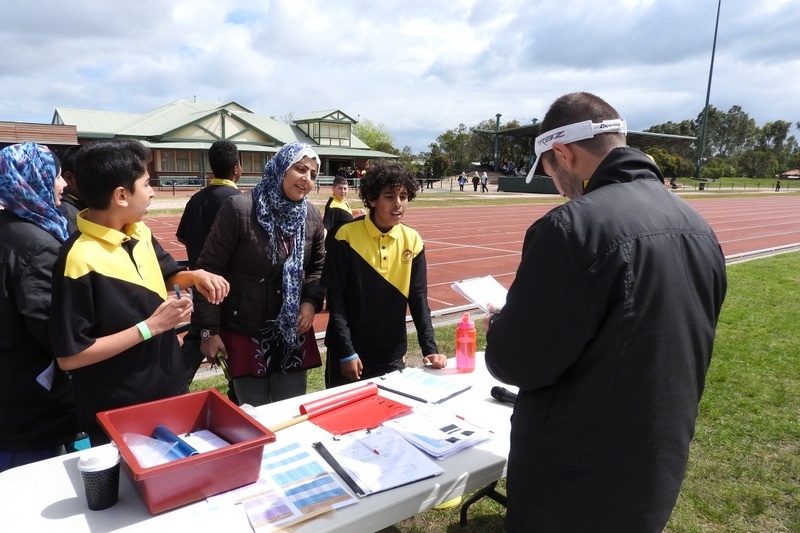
(482, 292)
(376, 460)
(439, 434)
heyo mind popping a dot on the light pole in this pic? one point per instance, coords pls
(496, 141)
(531, 140)
(708, 95)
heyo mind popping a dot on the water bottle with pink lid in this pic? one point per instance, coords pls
(466, 344)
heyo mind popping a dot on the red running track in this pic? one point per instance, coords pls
(467, 242)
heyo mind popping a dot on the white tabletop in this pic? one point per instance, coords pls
(48, 495)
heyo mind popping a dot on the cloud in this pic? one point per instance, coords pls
(419, 67)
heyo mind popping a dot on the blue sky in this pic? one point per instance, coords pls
(419, 67)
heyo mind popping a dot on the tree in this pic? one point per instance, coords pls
(735, 132)
(481, 145)
(686, 128)
(734, 145)
(437, 161)
(288, 118)
(375, 135)
(728, 135)
(715, 168)
(774, 137)
(510, 148)
(455, 145)
(671, 165)
(758, 164)
(407, 158)
(516, 149)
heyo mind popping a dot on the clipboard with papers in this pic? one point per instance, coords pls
(482, 292)
(421, 385)
(375, 460)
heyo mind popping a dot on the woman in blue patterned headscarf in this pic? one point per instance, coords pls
(270, 246)
(283, 217)
(37, 413)
(31, 186)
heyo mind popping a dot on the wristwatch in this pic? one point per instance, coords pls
(206, 334)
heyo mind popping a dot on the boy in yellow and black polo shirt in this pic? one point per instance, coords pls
(374, 270)
(116, 335)
(337, 210)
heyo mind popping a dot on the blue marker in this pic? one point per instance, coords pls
(177, 290)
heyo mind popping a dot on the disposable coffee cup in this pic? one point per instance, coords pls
(99, 468)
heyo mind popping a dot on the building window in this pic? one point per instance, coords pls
(332, 134)
(180, 161)
(253, 161)
(183, 160)
(166, 161)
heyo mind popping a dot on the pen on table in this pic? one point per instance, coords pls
(177, 290)
(373, 450)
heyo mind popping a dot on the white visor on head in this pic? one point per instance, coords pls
(572, 133)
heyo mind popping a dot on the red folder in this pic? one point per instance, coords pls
(351, 410)
(354, 409)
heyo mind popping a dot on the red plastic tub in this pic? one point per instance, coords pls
(194, 478)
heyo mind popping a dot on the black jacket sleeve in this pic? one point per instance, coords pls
(334, 279)
(549, 314)
(314, 260)
(418, 304)
(33, 289)
(215, 257)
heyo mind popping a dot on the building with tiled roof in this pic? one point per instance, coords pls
(180, 133)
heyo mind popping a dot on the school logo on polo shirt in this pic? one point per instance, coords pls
(408, 256)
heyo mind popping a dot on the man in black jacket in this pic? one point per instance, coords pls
(195, 225)
(608, 393)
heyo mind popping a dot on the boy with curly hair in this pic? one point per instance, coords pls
(376, 263)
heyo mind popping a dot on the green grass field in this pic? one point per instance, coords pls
(744, 468)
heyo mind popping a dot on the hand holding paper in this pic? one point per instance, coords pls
(483, 292)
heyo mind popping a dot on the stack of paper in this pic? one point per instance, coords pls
(482, 292)
(438, 434)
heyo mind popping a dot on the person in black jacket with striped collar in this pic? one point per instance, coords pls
(608, 395)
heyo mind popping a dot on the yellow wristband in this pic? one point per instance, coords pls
(144, 330)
